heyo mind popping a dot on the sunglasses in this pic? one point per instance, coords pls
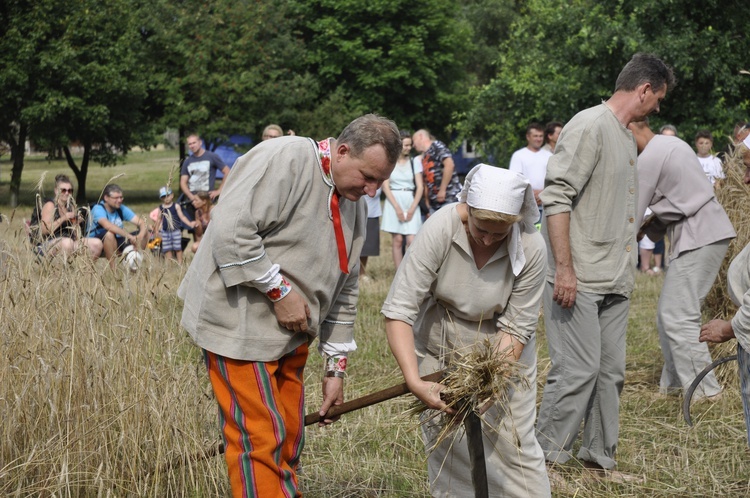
(66, 190)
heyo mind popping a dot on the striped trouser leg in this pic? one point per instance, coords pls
(261, 411)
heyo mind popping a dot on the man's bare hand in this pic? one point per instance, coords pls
(213, 194)
(716, 331)
(333, 395)
(441, 196)
(292, 312)
(565, 287)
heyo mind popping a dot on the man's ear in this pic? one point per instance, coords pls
(643, 90)
(343, 149)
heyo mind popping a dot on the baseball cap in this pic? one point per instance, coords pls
(164, 191)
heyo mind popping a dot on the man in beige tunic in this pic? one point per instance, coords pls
(276, 268)
(672, 183)
(590, 199)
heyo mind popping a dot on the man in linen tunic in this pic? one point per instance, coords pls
(270, 276)
(452, 305)
(672, 183)
(589, 200)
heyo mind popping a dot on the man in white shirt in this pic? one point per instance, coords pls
(531, 161)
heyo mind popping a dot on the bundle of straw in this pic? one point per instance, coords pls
(734, 196)
(476, 375)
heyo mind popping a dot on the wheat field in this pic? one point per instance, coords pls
(102, 394)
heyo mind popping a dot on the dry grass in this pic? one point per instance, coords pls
(98, 384)
(734, 196)
(100, 390)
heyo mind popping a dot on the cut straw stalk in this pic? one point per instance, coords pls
(475, 376)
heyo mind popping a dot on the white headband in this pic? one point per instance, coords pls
(499, 190)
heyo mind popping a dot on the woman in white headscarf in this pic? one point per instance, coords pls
(475, 271)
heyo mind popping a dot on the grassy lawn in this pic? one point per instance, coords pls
(140, 176)
(102, 393)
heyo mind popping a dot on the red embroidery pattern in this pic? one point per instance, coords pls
(324, 148)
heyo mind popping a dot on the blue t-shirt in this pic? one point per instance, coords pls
(99, 211)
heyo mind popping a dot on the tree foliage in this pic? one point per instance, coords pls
(87, 80)
(564, 56)
(230, 66)
(398, 58)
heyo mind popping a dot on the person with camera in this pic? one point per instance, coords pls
(55, 230)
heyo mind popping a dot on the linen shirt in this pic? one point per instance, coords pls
(274, 209)
(738, 283)
(592, 175)
(440, 292)
(672, 184)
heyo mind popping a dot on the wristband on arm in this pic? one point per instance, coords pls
(335, 366)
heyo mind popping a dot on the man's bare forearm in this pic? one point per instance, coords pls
(558, 228)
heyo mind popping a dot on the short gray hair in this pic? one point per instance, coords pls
(369, 130)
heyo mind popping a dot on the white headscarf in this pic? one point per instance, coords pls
(502, 191)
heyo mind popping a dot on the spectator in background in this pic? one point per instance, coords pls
(440, 176)
(704, 144)
(531, 161)
(551, 134)
(272, 131)
(107, 224)
(403, 191)
(170, 221)
(372, 234)
(198, 173)
(202, 217)
(57, 229)
(669, 130)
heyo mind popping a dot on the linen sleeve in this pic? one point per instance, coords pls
(521, 314)
(570, 168)
(338, 325)
(681, 168)
(258, 197)
(419, 269)
(741, 322)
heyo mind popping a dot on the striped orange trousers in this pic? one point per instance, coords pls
(261, 412)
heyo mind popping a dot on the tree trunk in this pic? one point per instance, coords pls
(17, 151)
(181, 144)
(80, 173)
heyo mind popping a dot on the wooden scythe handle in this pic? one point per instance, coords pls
(370, 399)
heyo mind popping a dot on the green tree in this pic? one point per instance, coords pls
(399, 58)
(564, 56)
(21, 35)
(230, 66)
(80, 78)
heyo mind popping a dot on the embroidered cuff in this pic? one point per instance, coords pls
(335, 364)
(278, 292)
